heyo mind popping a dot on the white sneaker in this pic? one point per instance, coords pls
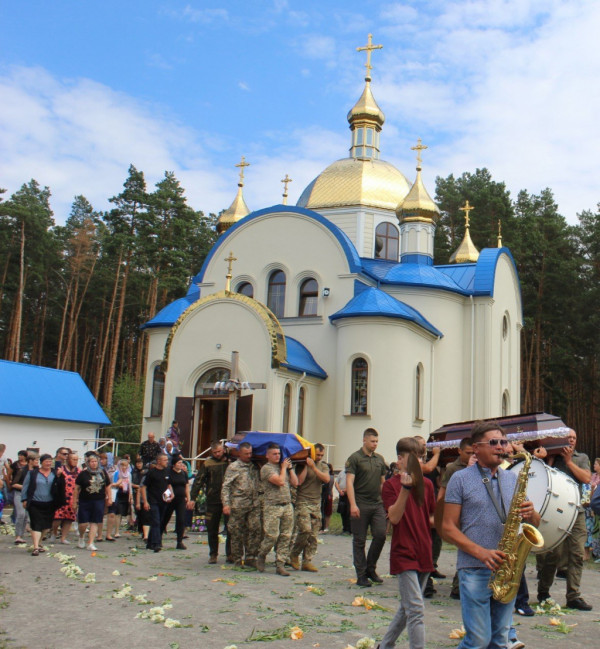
(92, 547)
(51, 539)
(65, 541)
(81, 543)
(516, 644)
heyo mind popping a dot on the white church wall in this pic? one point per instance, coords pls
(23, 433)
(393, 349)
(157, 338)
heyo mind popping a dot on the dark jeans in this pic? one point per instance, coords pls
(213, 522)
(177, 506)
(157, 512)
(372, 516)
(522, 594)
(436, 546)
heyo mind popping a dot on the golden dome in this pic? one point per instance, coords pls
(353, 182)
(366, 108)
(466, 252)
(418, 204)
(238, 209)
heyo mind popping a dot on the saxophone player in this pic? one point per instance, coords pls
(477, 503)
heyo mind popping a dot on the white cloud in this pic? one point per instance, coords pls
(243, 86)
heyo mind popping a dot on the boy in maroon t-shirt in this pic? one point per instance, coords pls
(410, 503)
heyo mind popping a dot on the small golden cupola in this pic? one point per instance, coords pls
(418, 215)
(467, 252)
(366, 118)
(238, 209)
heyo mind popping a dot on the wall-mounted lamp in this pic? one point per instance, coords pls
(326, 292)
(218, 345)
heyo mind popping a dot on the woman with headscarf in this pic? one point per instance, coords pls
(39, 495)
(92, 492)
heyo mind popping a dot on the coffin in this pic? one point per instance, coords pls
(292, 446)
(535, 423)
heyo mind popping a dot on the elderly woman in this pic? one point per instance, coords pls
(92, 493)
(65, 515)
(33, 462)
(38, 495)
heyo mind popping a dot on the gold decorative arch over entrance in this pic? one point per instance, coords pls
(278, 347)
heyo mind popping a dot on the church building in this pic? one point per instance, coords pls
(339, 317)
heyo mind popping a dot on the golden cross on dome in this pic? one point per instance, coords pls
(499, 233)
(229, 261)
(242, 164)
(286, 181)
(466, 209)
(420, 147)
(368, 48)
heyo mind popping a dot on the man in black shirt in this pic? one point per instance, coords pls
(156, 493)
(149, 449)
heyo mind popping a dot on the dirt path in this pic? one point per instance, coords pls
(218, 606)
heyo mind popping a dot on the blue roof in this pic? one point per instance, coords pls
(354, 265)
(46, 393)
(299, 359)
(374, 302)
(168, 316)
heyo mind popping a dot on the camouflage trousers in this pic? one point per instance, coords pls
(308, 524)
(244, 531)
(278, 525)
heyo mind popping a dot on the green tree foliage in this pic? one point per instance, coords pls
(125, 414)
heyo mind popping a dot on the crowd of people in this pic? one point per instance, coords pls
(280, 506)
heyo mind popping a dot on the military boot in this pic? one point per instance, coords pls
(294, 562)
(260, 562)
(250, 563)
(280, 570)
(307, 566)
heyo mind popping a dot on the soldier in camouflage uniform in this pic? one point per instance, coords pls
(278, 513)
(308, 510)
(240, 502)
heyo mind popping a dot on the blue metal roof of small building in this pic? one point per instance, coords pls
(375, 302)
(299, 359)
(46, 393)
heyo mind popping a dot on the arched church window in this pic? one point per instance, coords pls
(245, 288)
(505, 404)
(215, 375)
(504, 327)
(287, 396)
(301, 400)
(158, 392)
(276, 293)
(309, 291)
(360, 384)
(419, 393)
(387, 241)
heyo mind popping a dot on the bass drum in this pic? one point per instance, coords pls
(555, 497)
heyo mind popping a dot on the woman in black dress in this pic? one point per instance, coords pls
(181, 491)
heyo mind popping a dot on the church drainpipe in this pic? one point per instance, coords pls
(472, 355)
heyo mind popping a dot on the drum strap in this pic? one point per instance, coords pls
(500, 508)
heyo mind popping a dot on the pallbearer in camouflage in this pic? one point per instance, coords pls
(308, 510)
(240, 502)
(278, 513)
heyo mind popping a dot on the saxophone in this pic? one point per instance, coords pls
(505, 581)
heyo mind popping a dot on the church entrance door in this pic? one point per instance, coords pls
(212, 418)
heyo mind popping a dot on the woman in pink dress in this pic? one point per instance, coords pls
(66, 514)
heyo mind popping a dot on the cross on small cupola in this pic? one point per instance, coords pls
(368, 48)
(229, 261)
(242, 164)
(418, 148)
(285, 182)
(466, 209)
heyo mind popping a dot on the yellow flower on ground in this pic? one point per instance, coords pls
(456, 634)
(296, 633)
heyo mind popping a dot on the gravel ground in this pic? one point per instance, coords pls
(219, 606)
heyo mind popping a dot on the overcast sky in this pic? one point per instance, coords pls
(86, 88)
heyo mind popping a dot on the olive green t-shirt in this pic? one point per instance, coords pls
(451, 469)
(368, 471)
(310, 490)
(274, 495)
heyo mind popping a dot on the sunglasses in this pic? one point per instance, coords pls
(495, 442)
